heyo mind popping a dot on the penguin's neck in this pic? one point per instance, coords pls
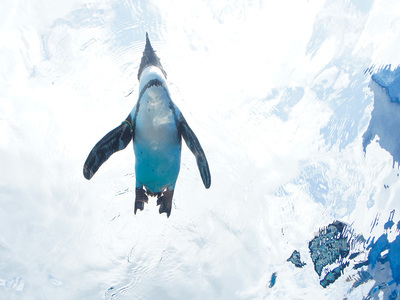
(151, 73)
(154, 96)
(155, 119)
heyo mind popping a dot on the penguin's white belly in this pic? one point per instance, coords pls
(157, 143)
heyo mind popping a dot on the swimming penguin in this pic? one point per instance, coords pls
(156, 126)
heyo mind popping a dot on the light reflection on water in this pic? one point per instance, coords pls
(279, 114)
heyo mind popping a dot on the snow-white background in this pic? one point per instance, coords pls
(276, 92)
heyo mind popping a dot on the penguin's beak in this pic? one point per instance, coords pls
(150, 58)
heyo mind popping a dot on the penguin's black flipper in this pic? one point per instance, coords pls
(117, 139)
(194, 145)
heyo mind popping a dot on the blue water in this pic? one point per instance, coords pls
(389, 80)
(273, 280)
(384, 122)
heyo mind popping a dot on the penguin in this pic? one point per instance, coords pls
(156, 126)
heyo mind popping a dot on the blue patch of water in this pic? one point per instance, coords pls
(394, 258)
(347, 102)
(363, 5)
(390, 81)
(377, 248)
(384, 123)
(289, 98)
(389, 224)
(273, 280)
(315, 178)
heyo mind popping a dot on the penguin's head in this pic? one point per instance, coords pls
(150, 58)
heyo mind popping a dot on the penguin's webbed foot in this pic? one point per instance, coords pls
(165, 202)
(140, 199)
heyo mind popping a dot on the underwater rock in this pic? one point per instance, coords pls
(333, 275)
(337, 247)
(296, 260)
(329, 246)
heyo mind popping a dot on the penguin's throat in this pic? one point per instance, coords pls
(155, 122)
